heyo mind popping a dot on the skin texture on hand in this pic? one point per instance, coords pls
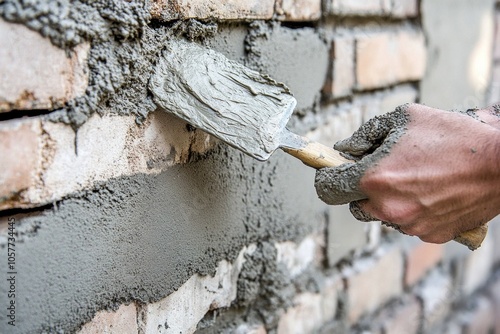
(428, 172)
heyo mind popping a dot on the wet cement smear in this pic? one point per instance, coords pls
(242, 107)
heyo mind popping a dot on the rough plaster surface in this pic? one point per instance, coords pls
(459, 57)
(283, 52)
(141, 237)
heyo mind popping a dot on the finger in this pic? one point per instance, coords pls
(371, 134)
(360, 212)
(339, 185)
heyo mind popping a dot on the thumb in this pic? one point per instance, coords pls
(371, 134)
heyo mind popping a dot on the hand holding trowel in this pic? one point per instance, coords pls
(242, 107)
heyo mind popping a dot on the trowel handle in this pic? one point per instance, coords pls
(318, 156)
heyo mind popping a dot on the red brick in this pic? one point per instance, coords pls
(341, 79)
(420, 259)
(387, 58)
(43, 78)
(374, 283)
(298, 10)
(206, 9)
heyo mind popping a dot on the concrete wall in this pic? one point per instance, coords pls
(118, 217)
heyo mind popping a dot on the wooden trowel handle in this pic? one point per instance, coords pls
(318, 156)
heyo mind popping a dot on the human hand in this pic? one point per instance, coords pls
(428, 172)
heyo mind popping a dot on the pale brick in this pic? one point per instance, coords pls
(106, 147)
(345, 234)
(20, 149)
(482, 319)
(311, 310)
(404, 8)
(396, 97)
(181, 311)
(436, 293)
(121, 321)
(212, 9)
(341, 79)
(298, 257)
(359, 7)
(388, 58)
(299, 10)
(478, 266)
(43, 77)
(339, 126)
(494, 293)
(374, 283)
(402, 318)
(421, 258)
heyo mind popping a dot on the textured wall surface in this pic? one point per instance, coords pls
(117, 217)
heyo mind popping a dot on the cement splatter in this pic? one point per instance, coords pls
(240, 106)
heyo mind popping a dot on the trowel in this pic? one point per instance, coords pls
(242, 107)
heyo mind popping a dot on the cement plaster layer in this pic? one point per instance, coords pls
(139, 238)
(296, 57)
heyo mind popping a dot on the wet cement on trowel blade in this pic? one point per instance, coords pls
(368, 145)
(240, 106)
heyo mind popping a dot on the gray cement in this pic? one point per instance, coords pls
(139, 238)
(283, 53)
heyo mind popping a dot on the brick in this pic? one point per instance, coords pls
(395, 97)
(20, 144)
(420, 260)
(343, 121)
(298, 257)
(478, 266)
(359, 7)
(45, 77)
(401, 318)
(181, 311)
(482, 319)
(345, 234)
(283, 53)
(388, 58)
(121, 321)
(437, 293)
(341, 79)
(373, 283)
(212, 9)
(298, 10)
(106, 147)
(311, 310)
(404, 8)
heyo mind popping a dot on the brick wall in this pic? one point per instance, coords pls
(128, 220)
